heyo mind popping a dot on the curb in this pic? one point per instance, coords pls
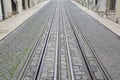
(9, 33)
(111, 26)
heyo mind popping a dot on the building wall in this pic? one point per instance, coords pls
(105, 8)
(1, 15)
(31, 3)
(91, 4)
(118, 8)
(7, 7)
(19, 6)
(102, 5)
(35, 1)
(26, 4)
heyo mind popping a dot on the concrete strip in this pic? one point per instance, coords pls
(114, 27)
(10, 24)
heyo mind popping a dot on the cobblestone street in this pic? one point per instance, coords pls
(60, 42)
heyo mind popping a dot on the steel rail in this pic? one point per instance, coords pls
(68, 53)
(38, 71)
(57, 59)
(69, 57)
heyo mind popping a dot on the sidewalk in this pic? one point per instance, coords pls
(114, 27)
(10, 24)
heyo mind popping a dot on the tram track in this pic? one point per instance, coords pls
(63, 52)
(70, 75)
(90, 73)
(42, 56)
(26, 71)
(49, 52)
(84, 58)
(75, 61)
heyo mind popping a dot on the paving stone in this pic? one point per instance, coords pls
(90, 58)
(98, 75)
(50, 74)
(35, 58)
(33, 69)
(44, 75)
(92, 63)
(76, 70)
(63, 77)
(29, 74)
(37, 51)
(14, 78)
(79, 73)
(33, 63)
(64, 72)
(63, 67)
(78, 77)
(27, 78)
(84, 77)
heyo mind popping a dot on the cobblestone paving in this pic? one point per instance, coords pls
(90, 56)
(33, 65)
(81, 74)
(15, 48)
(105, 43)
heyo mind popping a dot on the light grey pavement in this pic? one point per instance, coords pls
(10, 24)
(104, 41)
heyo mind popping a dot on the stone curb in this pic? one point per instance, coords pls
(112, 26)
(11, 24)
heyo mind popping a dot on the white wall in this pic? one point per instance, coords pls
(19, 6)
(102, 5)
(1, 12)
(31, 3)
(5, 11)
(26, 4)
(9, 7)
(118, 8)
(35, 1)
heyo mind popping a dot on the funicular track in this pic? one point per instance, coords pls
(61, 49)
(85, 58)
(26, 72)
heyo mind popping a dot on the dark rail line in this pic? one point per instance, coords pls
(37, 76)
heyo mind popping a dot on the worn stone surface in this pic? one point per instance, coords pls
(105, 42)
(16, 47)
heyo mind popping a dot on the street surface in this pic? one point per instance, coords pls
(55, 44)
(105, 43)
